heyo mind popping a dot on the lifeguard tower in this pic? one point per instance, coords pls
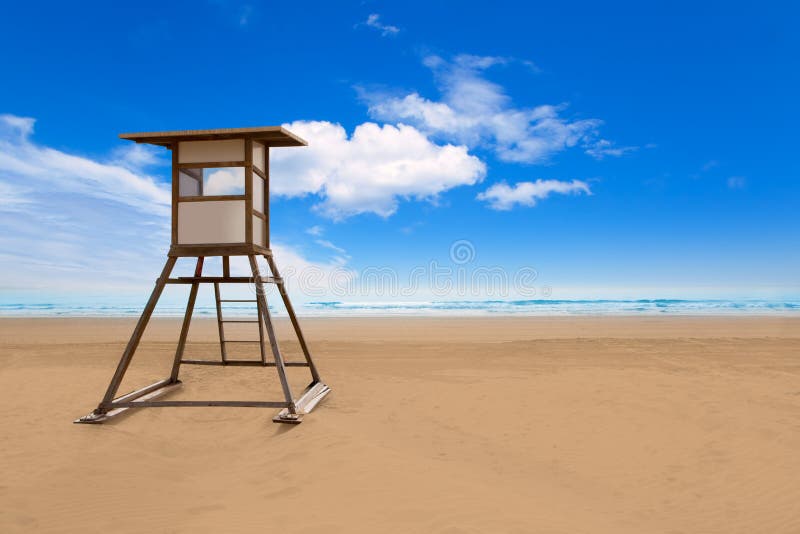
(220, 207)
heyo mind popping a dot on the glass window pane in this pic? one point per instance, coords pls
(191, 182)
(211, 181)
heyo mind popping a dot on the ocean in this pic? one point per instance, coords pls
(541, 307)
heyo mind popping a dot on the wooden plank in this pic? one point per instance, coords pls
(260, 322)
(248, 190)
(276, 351)
(175, 404)
(96, 418)
(226, 266)
(211, 198)
(258, 172)
(175, 193)
(218, 249)
(136, 337)
(268, 135)
(266, 198)
(214, 249)
(211, 164)
(220, 280)
(293, 318)
(221, 328)
(262, 251)
(187, 319)
(145, 390)
(242, 363)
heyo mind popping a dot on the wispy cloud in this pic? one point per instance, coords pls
(371, 170)
(315, 230)
(602, 148)
(14, 199)
(244, 14)
(502, 196)
(737, 182)
(29, 163)
(477, 112)
(327, 244)
(374, 21)
(138, 157)
(99, 224)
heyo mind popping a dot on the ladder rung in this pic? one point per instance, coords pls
(237, 300)
(237, 321)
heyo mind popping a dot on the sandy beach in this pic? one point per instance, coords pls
(507, 425)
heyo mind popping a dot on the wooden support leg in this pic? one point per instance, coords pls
(293, 318)
(276, 351)
(220, 327)
(136, 337)
(261, 334)
(187, 319)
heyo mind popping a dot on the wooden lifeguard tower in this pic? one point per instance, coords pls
(220, 207)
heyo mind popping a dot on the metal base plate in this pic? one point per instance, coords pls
(288, 418)
(312, 396)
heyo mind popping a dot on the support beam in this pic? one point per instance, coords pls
(292, 409)
(244, 363)
(187, 319)
(229, 404)
(290, 310)
(221, 280)
(276, 351)
(222, 351)
(144, 394)
(136, 337)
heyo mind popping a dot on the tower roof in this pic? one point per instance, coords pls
(267, 135)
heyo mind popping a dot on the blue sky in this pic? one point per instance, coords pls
(619, 149)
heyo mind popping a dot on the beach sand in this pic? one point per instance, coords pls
(496, 425)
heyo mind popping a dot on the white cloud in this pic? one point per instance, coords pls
(373, 21)
(57, 171)
(477, 112)
(225, 181)
(371, 170)
(502, 196)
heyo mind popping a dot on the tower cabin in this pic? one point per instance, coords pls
(220, 187)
